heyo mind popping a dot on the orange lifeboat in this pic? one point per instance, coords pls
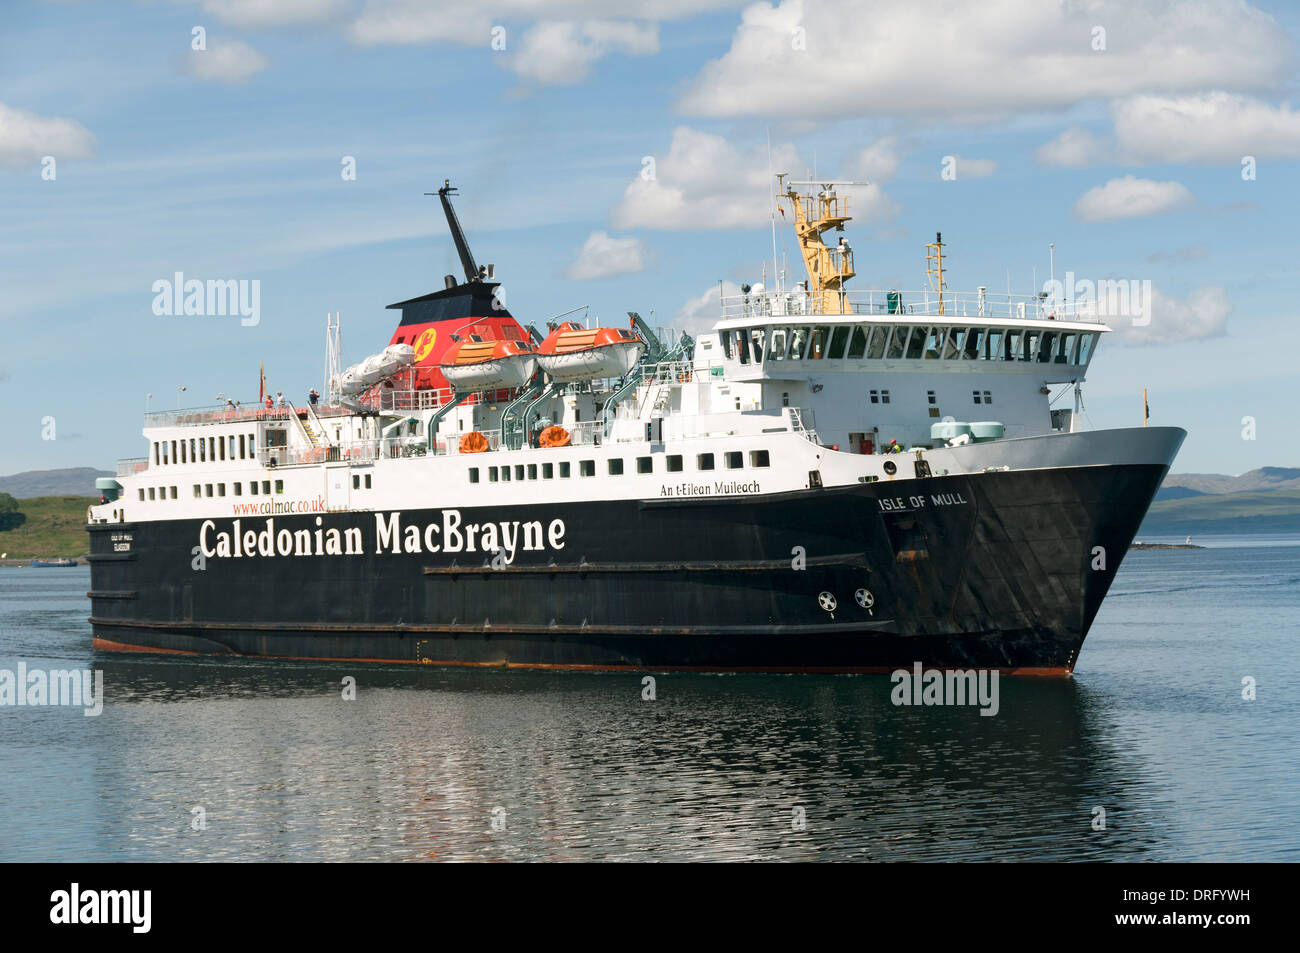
(572, 352)
(473, 442)
(553, 437)
(476, 364)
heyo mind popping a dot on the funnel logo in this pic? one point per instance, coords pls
(424, 344)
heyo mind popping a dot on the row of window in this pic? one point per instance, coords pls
(212, 489)
(732, 459)
(907, 342)
(204, 449)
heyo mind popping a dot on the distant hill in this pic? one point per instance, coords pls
(73, 481)
(1265, 478)
(1266, 511)
(1176, 493)
(55, 526)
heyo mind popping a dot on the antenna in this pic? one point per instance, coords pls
(457, 233)
(771, 203)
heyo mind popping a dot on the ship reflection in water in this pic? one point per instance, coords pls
(425, 762)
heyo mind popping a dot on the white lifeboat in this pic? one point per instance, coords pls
(375, 368)
(572, 352)
(475, 364)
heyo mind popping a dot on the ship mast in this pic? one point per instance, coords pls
(472, 272)
(828, 267)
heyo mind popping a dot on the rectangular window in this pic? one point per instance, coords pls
(1066, 354)
(356, 481)
(759, 458)
(548, 471)
(1086, 342)
(174, 460)
(221, 447)
(975, 396)
(221, 489)
(173, 493)
(884, 396)
(252, 488)
(974, 338)
(735, 459)
(151, 493)
(519, 471)
(368, 484)
(473, 474)
(241, 447)
(232, 446)
(207, 489)
(616, 466)
(586, 468)
(505, 474)
(492, 474)
(565, 469)
(953, 348)
(898, 343)
(212, 449)
(876, 349)
(988, 397)
(875, 396)
(839, 339)
(198, 492)
(239, 489)
(157, 457)
(674, 461)
(930, 398)
(780, 344)
(279, 485)
(645, 465)
(858, 345)
(532, 471)
(934, 343)
(704, 461)
(916, 344)
(266, 487)
(203, 450)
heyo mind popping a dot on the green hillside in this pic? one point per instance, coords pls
(54, 526)
(1267, 511)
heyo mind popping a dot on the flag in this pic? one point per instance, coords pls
(1146, 408)
(261, 382)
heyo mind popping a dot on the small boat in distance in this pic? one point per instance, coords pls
(572, 352)
(61, 563)
(475, 364)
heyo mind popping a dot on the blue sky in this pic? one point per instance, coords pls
(225, 163)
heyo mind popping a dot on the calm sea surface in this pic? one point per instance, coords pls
(1153, 729)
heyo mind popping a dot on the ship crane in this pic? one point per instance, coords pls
(829, 267)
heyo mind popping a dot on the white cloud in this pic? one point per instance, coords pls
(256, 14)
(909, 57)
(964, 168)
(1213, 127)
(410, 22)
(26, 137)
(229, 61)
(700, 313)
(705, 182)
(604, 256)
(877, 163)
(1075, 148)
(1131, 197)
(562, 52)
(1203, 315)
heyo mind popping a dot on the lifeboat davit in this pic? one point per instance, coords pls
(475, 364)
(573, 353)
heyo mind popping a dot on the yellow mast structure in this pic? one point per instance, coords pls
(828, 267)
(934, 266)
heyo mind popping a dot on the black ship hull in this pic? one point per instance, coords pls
(1002, 570)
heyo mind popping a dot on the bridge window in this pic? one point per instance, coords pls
(839, 339)
(1011, 345)
(758, 336)
(798, 341)
(974, 338)
(934, 344)
(858, 345)
(704, 461)
(1046, 348)
(1086, 343)
(759, 458)
(953, 349)
(735, 459)
(1066, 353)
(674, 461)
(879, 337)
(742, 345)
(917, 344)
(725, 336)
(780, 340)
(1031, 345)
(817, 347)
(898, 343)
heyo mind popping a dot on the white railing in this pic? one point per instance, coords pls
(131, 467)
(221, 414)
(904, 305)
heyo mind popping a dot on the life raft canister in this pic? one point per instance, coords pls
(473, 442)
(555, 436)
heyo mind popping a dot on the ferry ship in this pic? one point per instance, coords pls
(828, 480)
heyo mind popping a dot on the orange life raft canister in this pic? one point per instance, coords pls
(473, 442)
(553, 437)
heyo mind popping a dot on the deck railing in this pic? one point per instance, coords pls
(904, 305)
